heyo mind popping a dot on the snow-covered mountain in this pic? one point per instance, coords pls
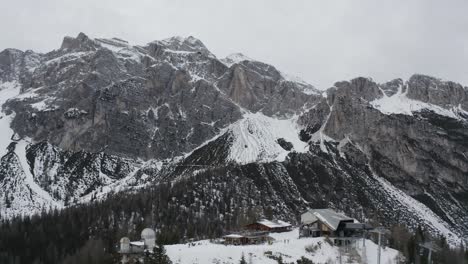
(98, 116)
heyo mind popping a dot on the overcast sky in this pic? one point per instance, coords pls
(319, 41)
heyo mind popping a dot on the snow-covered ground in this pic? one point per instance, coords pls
(287, 244)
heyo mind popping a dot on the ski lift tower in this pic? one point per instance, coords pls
(429, 245)
(381, 231)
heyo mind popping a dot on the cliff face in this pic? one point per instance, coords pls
(100, 115)
(153, 101)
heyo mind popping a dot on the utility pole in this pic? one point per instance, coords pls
(379, 230)
(429, 245)
(339, 250)
(363, 237)
(364, 233)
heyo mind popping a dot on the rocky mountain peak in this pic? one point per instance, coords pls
(436, 91)
(9, 62)
(235, 58)
(80, 43)
(391, 87)
(360, 87)
(183, 44)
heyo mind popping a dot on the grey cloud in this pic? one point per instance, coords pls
(320, 41)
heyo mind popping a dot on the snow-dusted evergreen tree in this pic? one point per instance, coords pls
(242, 260)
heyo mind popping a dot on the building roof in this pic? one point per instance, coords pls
(330, 217)
(233, 236)
(137, 243)
(273, 224)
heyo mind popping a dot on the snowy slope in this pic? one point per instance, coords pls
(7, 90)
(286, 244)
(20, 151)
(426, 215)
(24, 193)
(255, 138)
(399, 103)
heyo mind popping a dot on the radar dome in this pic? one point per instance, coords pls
(124, 245)
(149, 238)
(148, 233)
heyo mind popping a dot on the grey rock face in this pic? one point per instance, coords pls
(16, 65)
(411, 143)
(391, 88)
(435, 91)
(360, 88)
(80, 43)
(157, 101)
(260, 87)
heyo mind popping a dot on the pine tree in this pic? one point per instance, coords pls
(280, 260)
(149, 258)
(160, 256)
(7, 201)
(242, 260)
(304, 260)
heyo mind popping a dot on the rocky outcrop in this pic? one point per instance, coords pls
(435, 91)
(260, 87)
(80, 43)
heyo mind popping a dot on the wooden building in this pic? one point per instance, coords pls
(269, 226)
(247, 238)
(235, 239)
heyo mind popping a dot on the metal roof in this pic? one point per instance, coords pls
(137, 243)
(330, 217)
(233, 236)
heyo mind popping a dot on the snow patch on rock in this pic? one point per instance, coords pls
(255, 139)
(399, 103)
(8, 90)
(303, 85)
(234, 59)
